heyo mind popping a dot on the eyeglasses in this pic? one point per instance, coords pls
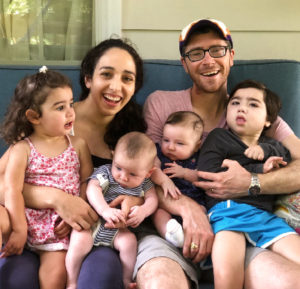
(199, 53)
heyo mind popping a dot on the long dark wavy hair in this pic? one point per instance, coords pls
(130, 117)
(30, 93)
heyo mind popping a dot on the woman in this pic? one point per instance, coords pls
(111, 73)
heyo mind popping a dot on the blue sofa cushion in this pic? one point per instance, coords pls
(282, 76)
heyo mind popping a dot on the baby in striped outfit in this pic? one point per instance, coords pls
(129, 173)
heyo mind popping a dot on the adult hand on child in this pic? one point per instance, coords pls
(72, 209)
(76, 212)
(136, 216)
(126, 203)
(226, 185)
(15, 243)
(112, 215)
(62, 229)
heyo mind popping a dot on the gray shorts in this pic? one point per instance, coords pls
(251, 253)
(152, 246)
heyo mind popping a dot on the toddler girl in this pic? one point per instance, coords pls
(37, 126)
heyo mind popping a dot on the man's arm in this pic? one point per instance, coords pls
(227, 185)
(195, 224)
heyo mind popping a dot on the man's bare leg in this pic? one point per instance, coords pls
(163, 273)
(270, 270)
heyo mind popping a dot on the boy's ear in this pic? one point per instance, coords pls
(150, 172)
(32, 116)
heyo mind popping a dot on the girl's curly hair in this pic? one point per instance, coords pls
(30, 93)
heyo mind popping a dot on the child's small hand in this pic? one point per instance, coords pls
(136, 216)
(62, 229)
(174, 170)
(15, 244)
(254, 152)
(169, 188)
(112, 215)
(273, 163)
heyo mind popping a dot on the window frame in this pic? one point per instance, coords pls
(107, 20)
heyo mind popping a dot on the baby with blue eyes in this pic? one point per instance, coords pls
(176, 169)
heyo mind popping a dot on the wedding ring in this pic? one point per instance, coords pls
(211, 189)
(194, 246)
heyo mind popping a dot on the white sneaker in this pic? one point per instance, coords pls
(174, 233)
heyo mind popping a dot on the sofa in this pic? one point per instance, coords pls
(282, 76)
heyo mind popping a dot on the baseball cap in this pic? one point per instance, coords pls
(216, 25)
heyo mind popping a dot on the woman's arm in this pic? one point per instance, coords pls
(86, 166)
(281, 181)
(74, 210)
(3, 165)
(14, 202)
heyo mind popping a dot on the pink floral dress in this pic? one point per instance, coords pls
(60, 172)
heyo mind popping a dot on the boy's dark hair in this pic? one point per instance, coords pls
(130, 117)
(30, 93)
(272, 100)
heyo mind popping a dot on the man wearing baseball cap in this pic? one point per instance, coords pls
(206, 50)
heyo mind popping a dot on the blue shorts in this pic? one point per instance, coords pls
(261, 228)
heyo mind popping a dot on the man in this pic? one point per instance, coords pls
(207, 55)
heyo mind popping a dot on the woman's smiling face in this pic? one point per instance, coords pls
(113, 82)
